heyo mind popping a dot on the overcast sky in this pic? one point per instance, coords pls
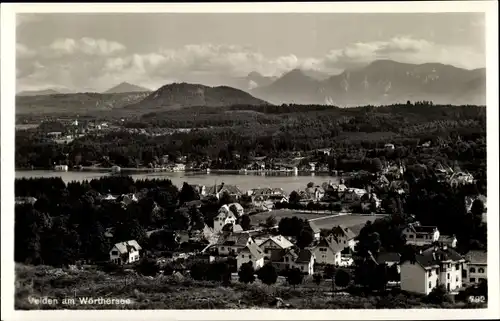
(97, 51)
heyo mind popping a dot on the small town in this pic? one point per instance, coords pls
(253, 161)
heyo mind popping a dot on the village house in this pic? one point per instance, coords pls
(370, 201)
(274, 243)
(315, 193)
(251, 253)
(125, 252)
(291, 258)
(232, 243)
(418, 235)
(450, 241)
(224, 217)
(434, 266)
(470, 200)
(476, 267)
(328, 251)
(460, 178)
(25, 200)
(342, 235)
(353, 194)
(389, 146)
(389, 258)
(315, 230)
(218, 190)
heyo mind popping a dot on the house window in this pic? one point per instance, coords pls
(448, 276)
(456, 279)
(114, 252)
(412, 236)
(472, 270)
(430, 284)
(302, 268)
(222, 248)
(457, 267)
(430, 273)
(472, 280)
(480, 270)
(242, 256)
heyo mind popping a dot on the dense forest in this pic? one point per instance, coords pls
(228, 137)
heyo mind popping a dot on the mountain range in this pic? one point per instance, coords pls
(378, 83)
(179, 95)
(381, 82)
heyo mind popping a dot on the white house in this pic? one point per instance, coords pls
(273, 243)
(430, 268)
(342, 235)
(290, 258)
(450, 241)
(418, 235)
(251, 253)
(327, 251)
(233, 243)
(224, 217)
(315, 229)
(476, 267)
(125, 252)
(179, 167)
(389, 146)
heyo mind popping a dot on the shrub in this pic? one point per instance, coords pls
(246, 273)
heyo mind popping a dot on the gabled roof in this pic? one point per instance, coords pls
(477, 257)
(314, 227)
(254, 250)
(341, 230)
(280, 240)
(433, 257)
(128, 246)
(231, 189)
(304, 256)
(239, 239)
(334, 245)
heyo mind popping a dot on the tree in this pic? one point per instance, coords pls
(199, 271)
(148, 267)
(477, 208)
(305, 238)
(270, 222)
(187, 194)
(267, 274)
(310, 185)
(329, 272)
(437, 295)
(245, 222)
(342, 278)
(246, 274)
(294, 277)
(226, 199)
(196, 218)
(294, 198)
(317, 278)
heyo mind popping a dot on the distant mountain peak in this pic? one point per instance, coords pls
(125, 87)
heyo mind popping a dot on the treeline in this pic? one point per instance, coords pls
(75, 221)
(234, 136)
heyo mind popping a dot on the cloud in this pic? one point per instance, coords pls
(86, 46)
(25, 18)
(101, 64)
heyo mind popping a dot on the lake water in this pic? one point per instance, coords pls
(287, 181)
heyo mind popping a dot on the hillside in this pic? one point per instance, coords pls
(43, 92)
(126, 87)
(381, 82)
(74, 103)
(179, 95)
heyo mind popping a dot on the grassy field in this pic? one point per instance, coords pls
(323, 221)
(354, 222)
(279, 214)
(171, 293)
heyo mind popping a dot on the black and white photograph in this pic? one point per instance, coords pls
(288, 159)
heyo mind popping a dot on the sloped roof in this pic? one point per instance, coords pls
(384, 257)
(434, 257)
(128, 246)
(343, 231)
(280, 240)
(239, 239)
(424, 229)
(446, 238)
(314, 227)
(478, 257)
(334, 245)
(254, 250)
(231, 189)
(304, 256)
